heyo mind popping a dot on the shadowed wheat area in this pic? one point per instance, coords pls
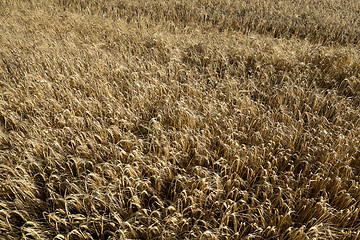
(208, 119)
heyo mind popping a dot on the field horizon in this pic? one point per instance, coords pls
(208, 119)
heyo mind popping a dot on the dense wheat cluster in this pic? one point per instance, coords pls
(179, 119)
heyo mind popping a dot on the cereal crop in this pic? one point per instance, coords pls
(179, 119)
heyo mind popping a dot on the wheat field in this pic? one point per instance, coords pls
(179, 119)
